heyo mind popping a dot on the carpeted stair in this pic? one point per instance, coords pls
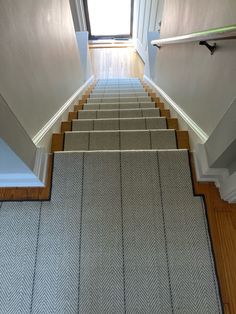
(123, 231)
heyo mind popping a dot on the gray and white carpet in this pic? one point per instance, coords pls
(122, 233)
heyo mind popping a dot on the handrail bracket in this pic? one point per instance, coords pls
(212, 48)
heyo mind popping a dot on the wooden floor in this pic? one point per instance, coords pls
(222, 224)
(116, 62)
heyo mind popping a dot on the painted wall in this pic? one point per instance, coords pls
(10, 129)
(85, 60)
(39, 59)
(40, 79)
(221, 145)
(200, 88)
(147, 16)
(201, 84)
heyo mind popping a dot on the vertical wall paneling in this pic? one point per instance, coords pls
(147, 16)
(146, 28)
(135, 18)
(141, 19)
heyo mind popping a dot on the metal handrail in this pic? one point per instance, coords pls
(222, 33)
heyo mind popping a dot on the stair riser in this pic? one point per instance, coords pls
(122, 86)
(116, 140)
(118, 79)
(119, 124)
(118, 95)
(121, 89)
(118, 100)
(125, 113)
(104, 106)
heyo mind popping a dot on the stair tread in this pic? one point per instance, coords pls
(122, 227)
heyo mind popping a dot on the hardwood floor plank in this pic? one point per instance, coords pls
(221, 218)
(116, 62)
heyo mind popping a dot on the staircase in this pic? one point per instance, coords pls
(123, 231)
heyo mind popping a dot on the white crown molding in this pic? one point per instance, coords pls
(192, 124)
(49, 125)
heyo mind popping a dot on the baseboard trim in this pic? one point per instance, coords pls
(225, 182)
(38, 139)
(203, 170)
(196, 129)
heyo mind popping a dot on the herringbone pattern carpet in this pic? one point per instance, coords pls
(122, 233)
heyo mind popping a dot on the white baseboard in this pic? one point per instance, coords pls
(228, 189)
(204, 172)
(44, 136)
(225, 182)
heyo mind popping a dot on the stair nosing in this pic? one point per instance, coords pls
(131, 118)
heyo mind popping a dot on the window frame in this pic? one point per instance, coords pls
(121, 36)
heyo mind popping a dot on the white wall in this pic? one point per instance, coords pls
(13, 171)
(39, 59)
(203, 85)
(85, 60)
(200, 88)
(77, 9)
(40, 77)
(147, 16)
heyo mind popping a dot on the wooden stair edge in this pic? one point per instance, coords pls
(182, 139)
(57, 142)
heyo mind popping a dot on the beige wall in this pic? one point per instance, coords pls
(40, 78)
(201, 84)
(201, 87)
(39, 59)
